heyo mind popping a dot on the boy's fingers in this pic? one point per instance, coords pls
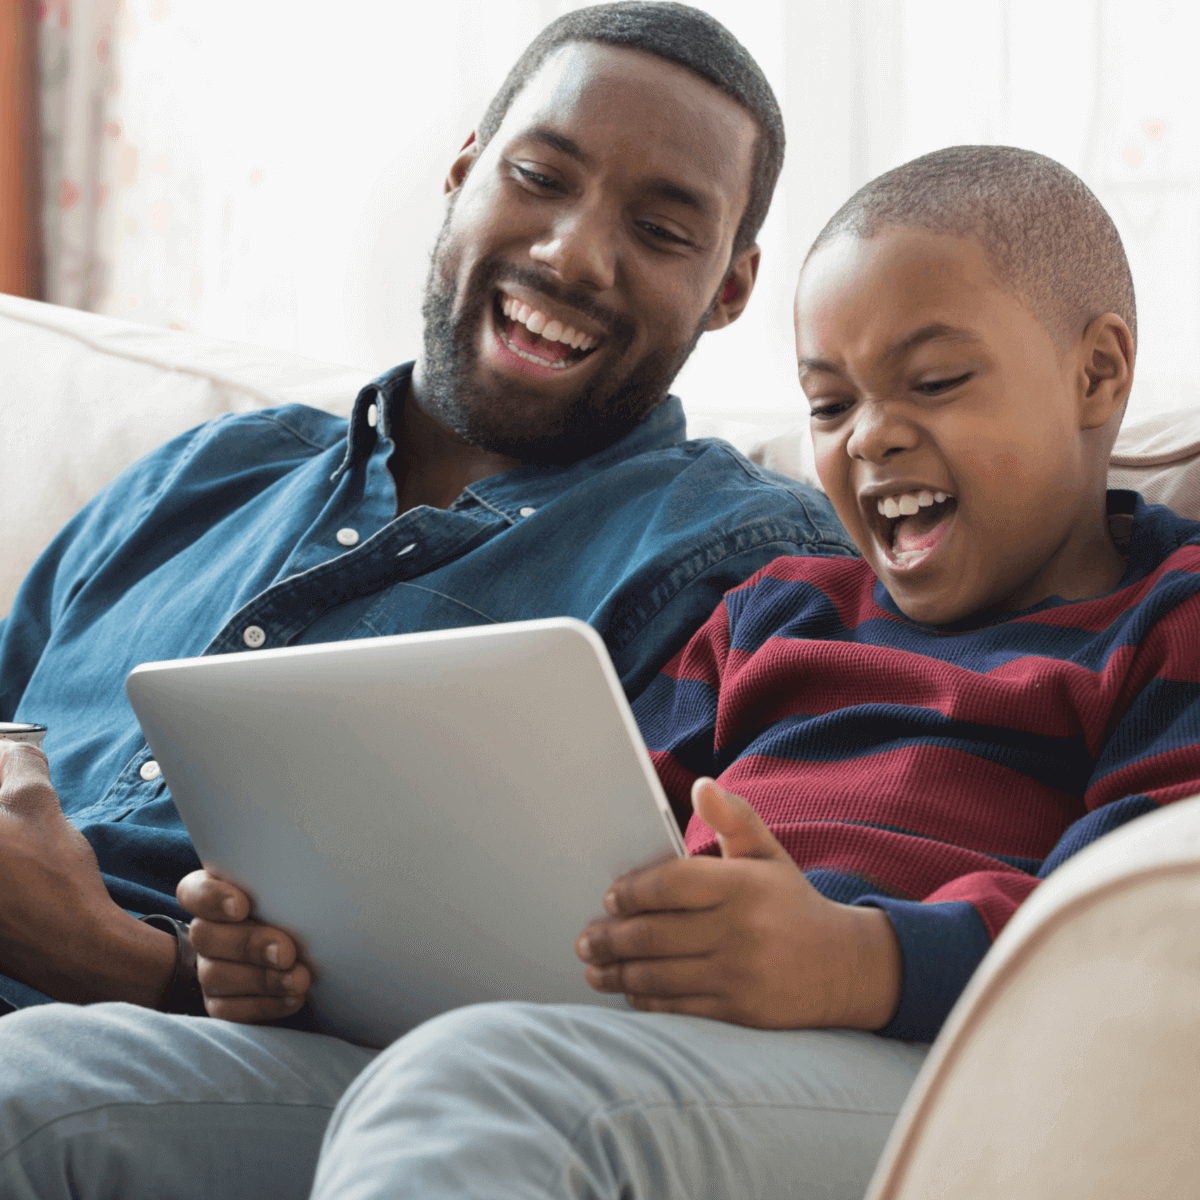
(244, 942)
(204, 895)
(673, 977)
(653, 935)
(740, 831)
(683, 883)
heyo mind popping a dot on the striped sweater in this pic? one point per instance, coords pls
(938, 772)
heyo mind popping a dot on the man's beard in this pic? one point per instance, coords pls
(529, 428)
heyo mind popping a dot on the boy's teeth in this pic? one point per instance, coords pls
(906, 504)
(551, 329)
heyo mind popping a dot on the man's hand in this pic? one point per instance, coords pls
(60, 931)
(742, 938)
(248, 971)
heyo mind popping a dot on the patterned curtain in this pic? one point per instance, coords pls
(77, 49)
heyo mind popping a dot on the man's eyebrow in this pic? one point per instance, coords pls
(676, 193)
(935, 332)
(557, 141)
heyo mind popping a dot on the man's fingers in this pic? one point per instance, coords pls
(252, 1010)
(244, 942)
(228, 980)
(25, 787)
(204, 895)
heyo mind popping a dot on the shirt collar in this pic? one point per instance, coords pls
(525, 486)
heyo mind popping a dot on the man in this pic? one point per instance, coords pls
(531, 463)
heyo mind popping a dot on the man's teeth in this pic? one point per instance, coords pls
(908, 503)
(538, 323)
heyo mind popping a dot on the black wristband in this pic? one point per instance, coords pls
(184, 994)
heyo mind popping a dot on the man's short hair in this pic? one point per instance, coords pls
(1045, 234)
(681, 35)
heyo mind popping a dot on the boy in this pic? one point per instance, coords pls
(919, 737)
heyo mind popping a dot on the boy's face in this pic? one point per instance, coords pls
(947, 428)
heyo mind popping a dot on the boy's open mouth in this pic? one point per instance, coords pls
(913, 524)
(538, 338)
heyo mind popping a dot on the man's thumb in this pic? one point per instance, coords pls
(25, 788)
(740, 830)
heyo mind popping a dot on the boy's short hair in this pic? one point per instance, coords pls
(681, 35)
(1046, 235)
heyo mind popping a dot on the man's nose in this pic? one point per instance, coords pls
(580, 247)
(880, 431)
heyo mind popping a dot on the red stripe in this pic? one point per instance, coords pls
(908, 867)
(703, 658)
(940, 793)
(995, 895)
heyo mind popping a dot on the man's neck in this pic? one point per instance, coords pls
(432, 464)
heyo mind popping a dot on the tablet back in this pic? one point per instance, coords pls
(435, 815)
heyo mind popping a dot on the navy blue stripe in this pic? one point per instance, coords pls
(784, 609)
(1062, 763)
(1095, 825)
(1156, 722)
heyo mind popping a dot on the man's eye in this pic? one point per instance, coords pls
(662, 235)
(935, 387)
(538, 180)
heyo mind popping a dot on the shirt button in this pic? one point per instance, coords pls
(348, 537)
(150, 770)
(372, 416)
(528, 511)
(254, 636)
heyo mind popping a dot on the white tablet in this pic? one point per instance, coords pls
(435, 815)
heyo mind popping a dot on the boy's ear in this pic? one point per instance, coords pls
(462, 164)
(1107, 364)
(735, 290)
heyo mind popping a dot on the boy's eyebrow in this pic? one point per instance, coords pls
(937, 331)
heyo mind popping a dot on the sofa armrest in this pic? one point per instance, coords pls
(1071, 1064)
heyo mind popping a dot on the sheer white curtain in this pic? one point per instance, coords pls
(274, 170)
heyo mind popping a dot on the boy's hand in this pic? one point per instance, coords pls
(248, 971)
(742, 938)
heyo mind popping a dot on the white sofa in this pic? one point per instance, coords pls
(1071, 1065)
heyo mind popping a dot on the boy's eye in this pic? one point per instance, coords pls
(826, 412)
(935, 387)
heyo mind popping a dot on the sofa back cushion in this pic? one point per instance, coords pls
(82, 397)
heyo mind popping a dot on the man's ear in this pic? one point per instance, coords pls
(735, 291)
(1106, 361)
(461, 165)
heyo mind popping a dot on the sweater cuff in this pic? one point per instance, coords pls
(942, 944)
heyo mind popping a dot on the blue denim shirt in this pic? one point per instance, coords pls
(285, 521)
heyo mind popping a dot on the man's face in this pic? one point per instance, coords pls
(946, 425)
(583, 254)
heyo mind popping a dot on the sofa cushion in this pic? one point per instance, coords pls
(84, 396)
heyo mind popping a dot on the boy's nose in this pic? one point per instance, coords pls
(880, 431)
(580, 248)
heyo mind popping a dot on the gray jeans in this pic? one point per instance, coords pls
(498, 1100)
